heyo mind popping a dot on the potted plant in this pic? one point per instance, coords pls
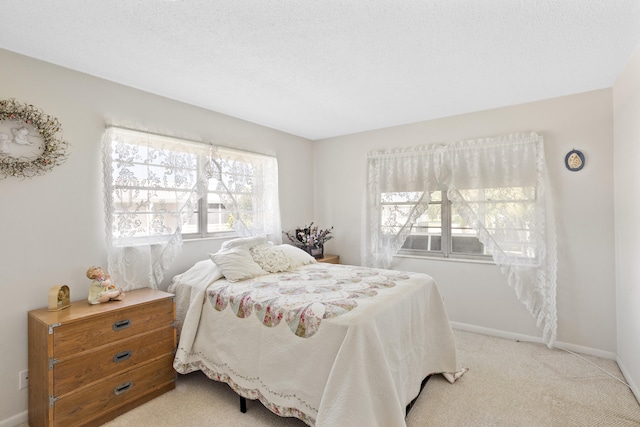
(310, 239)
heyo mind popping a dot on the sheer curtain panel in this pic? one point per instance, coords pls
(247, 184)
(152, 185)
(500, 189)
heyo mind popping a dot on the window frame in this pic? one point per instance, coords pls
(202, 212)
(446, 238)
(202, 222)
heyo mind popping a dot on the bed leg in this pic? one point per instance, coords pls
(243, 405)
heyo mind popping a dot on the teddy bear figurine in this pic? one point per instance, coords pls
(102, 290)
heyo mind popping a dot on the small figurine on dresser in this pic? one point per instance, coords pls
(102, 290)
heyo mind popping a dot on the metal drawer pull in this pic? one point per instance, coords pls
(121, 324)
(123, 388)
(122, 356)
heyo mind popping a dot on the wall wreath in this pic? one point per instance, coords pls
(28, 142)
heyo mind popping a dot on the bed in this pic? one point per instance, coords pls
(328, 344)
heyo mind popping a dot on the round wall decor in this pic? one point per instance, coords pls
(28, 142)
(574, 160)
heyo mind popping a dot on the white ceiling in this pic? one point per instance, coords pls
(331, 67)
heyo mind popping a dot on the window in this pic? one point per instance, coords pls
(441, 231)
(158, 186)
(152, 179)
(212, 216)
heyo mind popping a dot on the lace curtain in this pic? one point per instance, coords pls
(152, 184)
(247, 184)
(522, 242)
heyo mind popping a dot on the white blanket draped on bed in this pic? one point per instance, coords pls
(361, 367)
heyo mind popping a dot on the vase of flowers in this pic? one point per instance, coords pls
(310, 239)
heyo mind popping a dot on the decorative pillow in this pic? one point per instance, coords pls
(297, 256)
(270, 258)
(237, 264)
(243, 241)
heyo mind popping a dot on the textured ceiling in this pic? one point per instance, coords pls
(332, 67)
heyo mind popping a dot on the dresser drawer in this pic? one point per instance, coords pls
(100, 398)
(95, 331)
(93, 365)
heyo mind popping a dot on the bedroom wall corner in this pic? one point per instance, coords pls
(626, 95)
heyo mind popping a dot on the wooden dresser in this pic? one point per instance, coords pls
(90, 363)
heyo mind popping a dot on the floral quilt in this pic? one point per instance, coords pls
(302, 298)
(329, 344)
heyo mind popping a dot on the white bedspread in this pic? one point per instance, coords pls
(359, 367)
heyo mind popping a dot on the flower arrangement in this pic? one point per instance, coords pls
(310, 239)
(54, 149)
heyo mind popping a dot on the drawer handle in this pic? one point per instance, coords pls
(122, 356)
(122, 388)
(121, 324)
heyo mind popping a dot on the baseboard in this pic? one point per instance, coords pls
(16, 420)
(521, 337)
(629, 380)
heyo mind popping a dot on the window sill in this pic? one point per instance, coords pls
(436, 258)
(203, 239)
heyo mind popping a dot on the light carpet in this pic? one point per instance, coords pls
(509, 383)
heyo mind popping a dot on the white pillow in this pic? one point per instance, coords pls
(243, 241)
(297, 256)
(270, 258)
(237, 264)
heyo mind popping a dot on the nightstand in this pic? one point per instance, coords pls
(330, 259)
(90, 363)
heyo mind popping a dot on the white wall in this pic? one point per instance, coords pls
(52, 226)
(626, 95)
(478, 294)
